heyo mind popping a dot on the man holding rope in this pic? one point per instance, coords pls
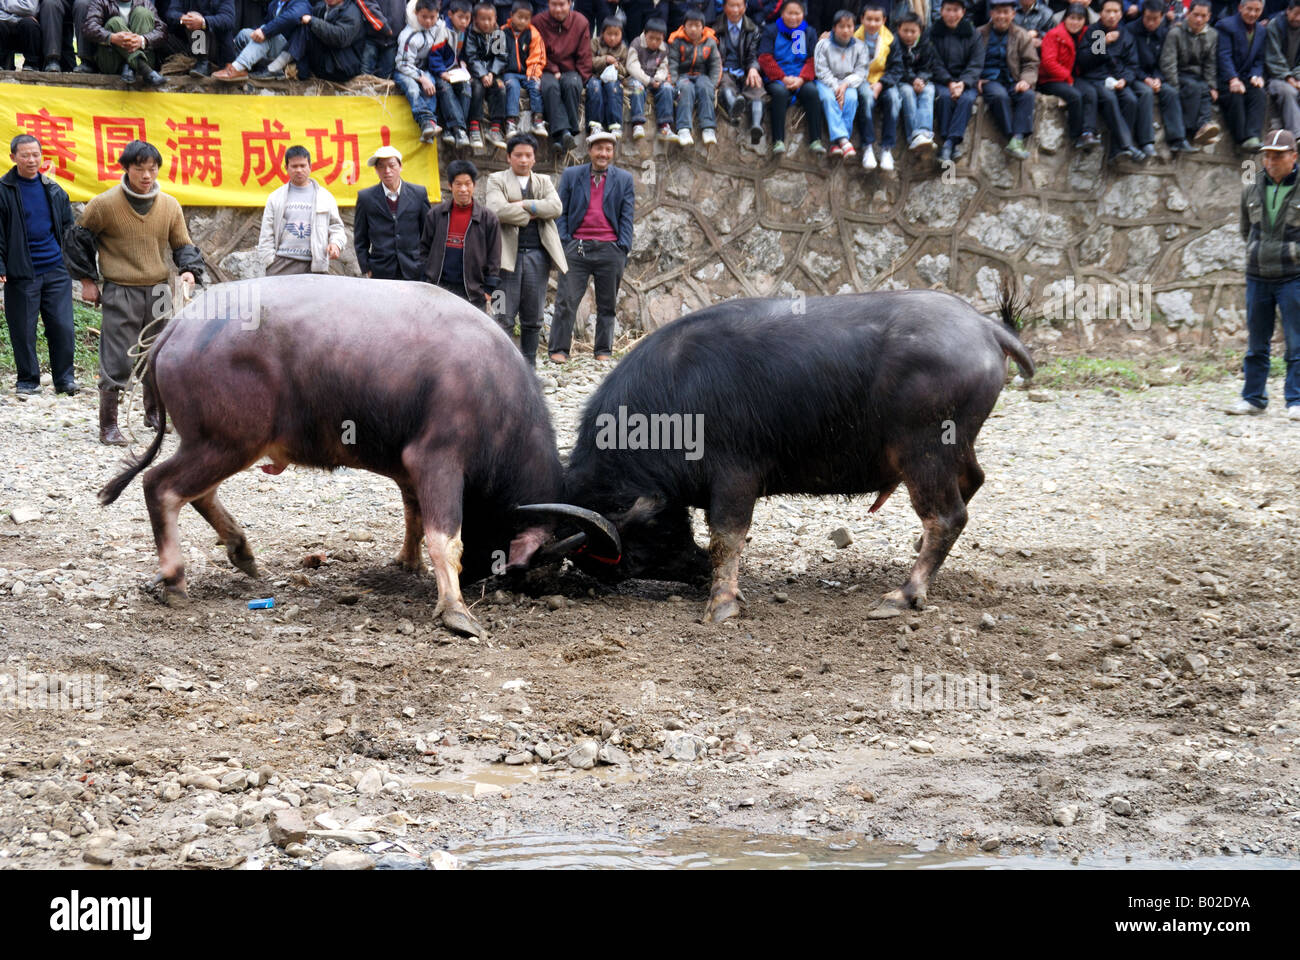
(131, 227)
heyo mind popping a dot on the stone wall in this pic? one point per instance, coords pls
(733, 223)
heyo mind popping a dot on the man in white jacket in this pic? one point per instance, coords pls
(301, 227)
(527, 204)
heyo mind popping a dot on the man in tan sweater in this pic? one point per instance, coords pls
(132, 227)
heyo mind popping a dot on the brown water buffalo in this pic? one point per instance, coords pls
(833, 395)
(401, 379)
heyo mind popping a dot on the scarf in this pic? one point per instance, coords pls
(141, 203)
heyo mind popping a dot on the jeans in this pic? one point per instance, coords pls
(808, 98)
(110, 59)
(378, 61)
(453, 103)
(599, 260)
(494, 96)
(1117, 108)
(915, 109)
(1244, 112)
(951, 117)
(525, 296)
(514, 82)
(561, 98)
(839, 120)
(1012, 112)
(663, 101)
(604, 103)
(693, 91)
(423, 107)
(1081, 107)
(48, 296)
(1264, 298)
(251, 52)
(1286, 101)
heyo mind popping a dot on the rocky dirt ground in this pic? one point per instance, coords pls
(1127, 579)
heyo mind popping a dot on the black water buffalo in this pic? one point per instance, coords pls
(401, 379)
(833, 395)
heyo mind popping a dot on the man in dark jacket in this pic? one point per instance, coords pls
(1190, 63)
(207, 31)
(595, 224)
(280, 40)
(1148, 33)
(1009, 76)
(1107, 62)
(460, 243)
(34, 214)
(389, 218)
(1034, 17)
(909, 86)
(334, 40)
(567, 35)
(958, 62)
(738, 38)
(127, 46)
(1270, 226)
(1241, 73)
(1282, 65)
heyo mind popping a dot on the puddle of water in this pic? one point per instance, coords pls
(737, 850)
(490, 782)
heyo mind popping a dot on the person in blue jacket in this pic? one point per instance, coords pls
(281, 40)
(1242, 39)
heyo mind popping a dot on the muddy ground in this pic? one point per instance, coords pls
(1127, 578)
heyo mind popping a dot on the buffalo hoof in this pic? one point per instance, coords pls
(459, 621)
(720, 610)
(410, 566)
(892, 604)
(245, 564)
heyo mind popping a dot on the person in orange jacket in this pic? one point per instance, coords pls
(525, 60)
(694, 67)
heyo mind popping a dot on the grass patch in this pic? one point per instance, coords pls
(85, 358)
(1140, 373)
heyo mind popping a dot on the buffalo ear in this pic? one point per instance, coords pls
(641, 511)
(597, 534)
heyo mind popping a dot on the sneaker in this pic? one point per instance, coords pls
(958, 150)
(666, 133)
(429, 132)
(1207, 134)
(1250, 145)
(617, 130)
(837, 150)
(638, 131)
(850, 153)
(1246, 408)
(886, 160)
(461, 139)
(1149, 150)
(594, 127)
(708, 138)
(449, 137)
(684, 137)
(817, 147)
(778, 148)
(945, 152)
(921, 140)
(1293, 412)
(868, 158)
(539, 127)
(476, 139)
(1016, 148)
(494, 136)
(512, 128)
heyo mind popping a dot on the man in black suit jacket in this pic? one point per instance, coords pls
(387, 222)
(597, 240)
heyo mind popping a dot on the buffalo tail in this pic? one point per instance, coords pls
(1010, 309)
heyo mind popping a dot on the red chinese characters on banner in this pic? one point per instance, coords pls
(56, 142)
(264, 153)
(196, 151)
(112, 134)
(342, 157)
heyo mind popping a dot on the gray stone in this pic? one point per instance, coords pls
(241, 264)
(1096, 245)
(680, 745)
(842, 537)
(583, 755)
(1130, 197)
(1008, 229)
(1049, 127)
(876, 250)
(611, 755)
(933, 203)
(933, 268)
(1195, 665)
(1066, 815)
(1121, 807)
(1176, 308)
(347, 860)
(1220, 249)
(286, 827)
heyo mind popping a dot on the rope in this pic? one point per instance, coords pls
(140, 357)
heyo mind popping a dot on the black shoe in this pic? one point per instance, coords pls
(155, 79)
(202, 69)
(1182, 146)
(84, 68)
(27, 389)
(1137, 154)
(269, 75)
(957, 151)
(53, 67)
(570, 142)
(1088, 142)
(128, 75)
(755, 135)
(945, 152)
(71, 388)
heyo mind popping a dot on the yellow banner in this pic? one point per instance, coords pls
(218, 150)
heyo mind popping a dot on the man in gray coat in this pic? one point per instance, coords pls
(1190, 64)
(1282, 65)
